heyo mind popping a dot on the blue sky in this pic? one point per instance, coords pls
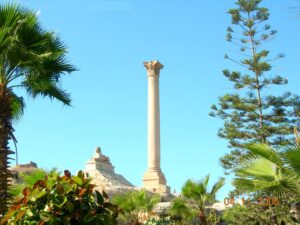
(109, 41)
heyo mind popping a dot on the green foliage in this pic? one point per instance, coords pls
(66, 200)
(258, 215)
(181, 211)
(135, 203)
(213, 218)
(251, 115)
(270, 172)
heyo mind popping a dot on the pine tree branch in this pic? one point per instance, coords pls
(236, 62)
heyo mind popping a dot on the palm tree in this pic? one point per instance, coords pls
(135, 203)
(197, 193)
(271, 172)
(30, 58)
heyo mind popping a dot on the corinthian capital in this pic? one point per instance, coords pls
(153, 68)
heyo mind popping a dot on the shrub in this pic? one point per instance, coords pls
(62, 200)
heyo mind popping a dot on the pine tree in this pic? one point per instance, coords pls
(251, 115)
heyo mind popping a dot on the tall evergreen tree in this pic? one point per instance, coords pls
(250, 114)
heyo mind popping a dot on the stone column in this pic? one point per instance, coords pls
(154, 180)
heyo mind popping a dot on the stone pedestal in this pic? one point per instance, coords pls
(154, 180)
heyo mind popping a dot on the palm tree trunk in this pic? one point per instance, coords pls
(6, 131)
(202, 217)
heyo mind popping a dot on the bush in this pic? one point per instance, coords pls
(254, 215)
(66, 200)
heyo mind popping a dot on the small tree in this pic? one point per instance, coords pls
(251, 115)
(197, 194)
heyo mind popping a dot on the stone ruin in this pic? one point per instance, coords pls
(103, 175)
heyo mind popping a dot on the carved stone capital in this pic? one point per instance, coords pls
(153, 68)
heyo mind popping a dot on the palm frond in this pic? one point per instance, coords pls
(217, 186)
(259, 167)
(292, 157)
(276, 187)
(35, 57)
(18, 105)
(45, 88)
(259, 174)
(180, 208)
(202, 186)
(264, 151)
(269, 171)
(191, 190)
(10, 14)
(4, 39)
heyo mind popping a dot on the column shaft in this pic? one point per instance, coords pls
(153, 123)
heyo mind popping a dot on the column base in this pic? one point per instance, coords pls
(155, 181)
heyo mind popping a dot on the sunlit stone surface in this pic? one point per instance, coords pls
(103, 175)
